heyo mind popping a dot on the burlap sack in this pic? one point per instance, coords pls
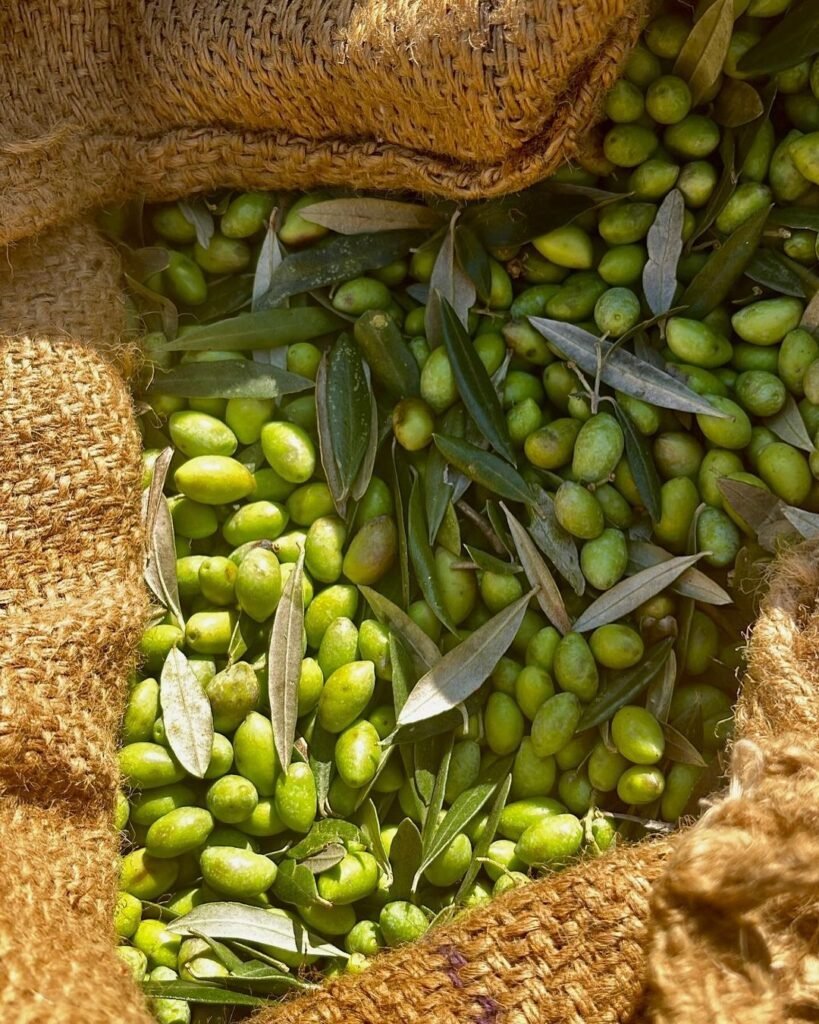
(104, 99)
(113, 99)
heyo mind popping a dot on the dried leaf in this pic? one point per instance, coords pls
(484, 468)
(422, 648)
(723, 268)
(537, 572)
(810, 318)
(621, 369)
(691, 583)
(473, 383)
(789, 425)
(355, 216)
(625, 687)
(284, 656)
(268, 262)
(703, 53)
(460, 673)
(186, 713)
(338, 258)
(631, 592)
(756, 505)
(234, 378)
(664, 244)
(255, 925)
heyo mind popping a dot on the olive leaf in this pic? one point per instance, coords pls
(261, 329)
(518, 218)
(323, 860)
(357, 215)
(440, 480)
(422, 557)
(691, 583)
(473, 382)
(199, 992)
(186, 713)
(253, 924)
(450, 282)
(321, 834)
(268, 261)
(796, 217)
(296, 883)
(153, 302)
(144, 262)
(392, 364)
(539, 575)
(661, 690)
(464, 809)
(491, 563)
(725, 187)
(737, 104)
(338, 258)
(233, 378)
(621, 369)
(555, 542)
(284, 656)
(371, 830)
(399, 489)
(641, 463)
(632, 591)
(421, 647)
(664, 243)
(488, 832)
(225, 296)
(433, 801)
(344, 409)
(484, 468)
(160, 555)
(679, 748)
(196, 213)
(756, 505)
(790, 41)
(460, 672)
(810, 317)
(788, 425)
(365, 470)
(724, 267)
(776, 271)
(703, 53)
(806, 523)
(474, 259)
(625, 687)
(405, 856)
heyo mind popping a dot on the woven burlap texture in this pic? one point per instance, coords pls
(105, 99)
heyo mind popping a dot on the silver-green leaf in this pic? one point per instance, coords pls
(284, 658)
(539, 575)
(186, 713)
(631, 592)
(459, 673)
(664, 244)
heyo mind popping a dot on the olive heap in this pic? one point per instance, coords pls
(456, 518)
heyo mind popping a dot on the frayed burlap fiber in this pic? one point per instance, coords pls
(106, 99)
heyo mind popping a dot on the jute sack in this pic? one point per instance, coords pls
(106, 99)
(719, 923)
